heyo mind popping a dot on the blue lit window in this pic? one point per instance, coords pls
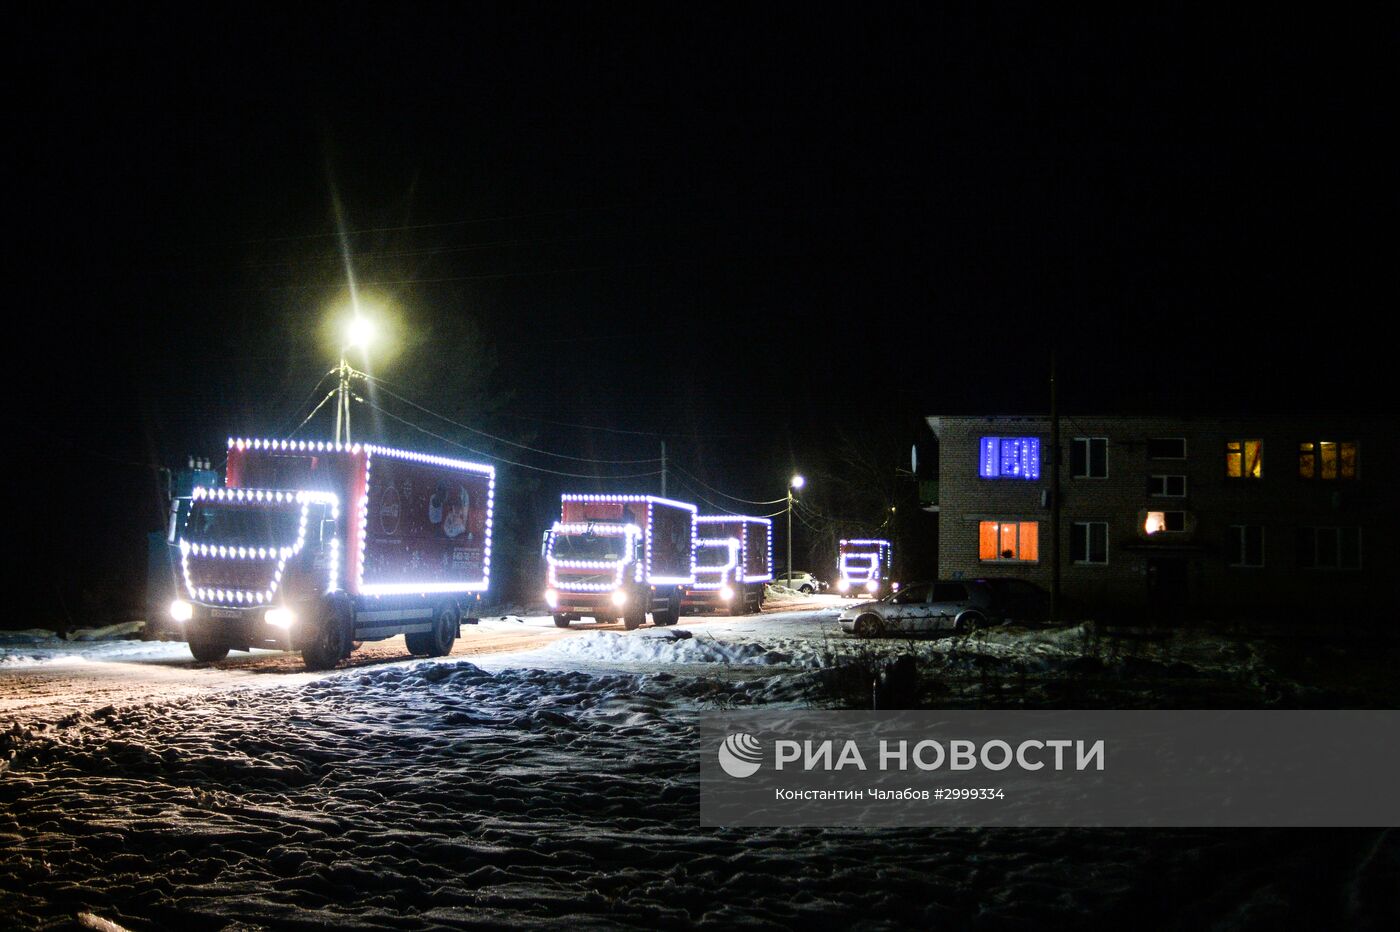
(1010, 458)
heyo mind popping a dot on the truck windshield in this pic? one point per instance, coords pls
(711, 556)
(243, 525)
(609, 547)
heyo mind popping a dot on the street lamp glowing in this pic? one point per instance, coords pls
(359, 332)
(798, 482)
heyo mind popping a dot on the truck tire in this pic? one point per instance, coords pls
(437, 642)
(670, 614)
(328, 639)
(206, 650)
(634, 621)
(562, 621)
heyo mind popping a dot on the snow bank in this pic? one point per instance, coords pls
(675, 646)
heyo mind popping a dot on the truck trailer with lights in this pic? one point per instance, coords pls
(733, 562)
(619, 556)
(316, 546)
(864, 566)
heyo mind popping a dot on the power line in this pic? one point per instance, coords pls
(309, 395)
(563, 456)
(501, 459)
(746, 501)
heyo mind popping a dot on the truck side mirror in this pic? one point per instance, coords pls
(328, 529)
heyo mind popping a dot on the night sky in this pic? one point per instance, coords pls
(755, 238)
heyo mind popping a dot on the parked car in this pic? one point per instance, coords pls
(958, 605)
(800, 580)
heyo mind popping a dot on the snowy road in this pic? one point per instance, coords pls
(542, 777)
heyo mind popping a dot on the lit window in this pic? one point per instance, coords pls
(1010, 458)
(1089, 457)
(1009, 541)
(1166, 448)
(1244, 545)
(1159, 521)
(1327, 459)
(1244, 459)
(1166, 486)
(1329, 548)
(1089, 542)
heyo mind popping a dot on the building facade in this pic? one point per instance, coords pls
(1207, 517)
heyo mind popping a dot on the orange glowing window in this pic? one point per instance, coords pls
(1327, 459)
(1013, 541)
(1244, 459)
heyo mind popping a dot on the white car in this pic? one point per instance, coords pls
(800, 580)
(958, 605)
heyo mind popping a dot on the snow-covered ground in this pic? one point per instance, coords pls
(544, 776)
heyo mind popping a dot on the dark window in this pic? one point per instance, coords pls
(1166, 448)
(1329, 548)
(1089, 457)
(1089, 542)
(949, 592)
(1166, 486)
(1244, 545)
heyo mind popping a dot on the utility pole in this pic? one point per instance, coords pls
(1054, 492)
(796, 482)
(342, 405)
(663, 469)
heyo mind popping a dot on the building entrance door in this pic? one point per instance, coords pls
(1166, 582)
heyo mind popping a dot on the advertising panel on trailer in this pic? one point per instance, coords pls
(733, 562)
(314, 546)
(619, 556)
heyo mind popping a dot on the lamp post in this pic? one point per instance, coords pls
(796, 482)
(358, 332)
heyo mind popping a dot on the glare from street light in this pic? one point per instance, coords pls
(359, 332)
(798, 482)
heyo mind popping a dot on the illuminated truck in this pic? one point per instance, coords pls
(733, 560)
(863, 567)
(315, 546)
(619, 556)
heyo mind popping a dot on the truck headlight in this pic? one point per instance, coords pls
(551, 598)
(180, 610)
(726, 593)
(280, 617)
(619, 598)
(871, 585)
(843, 586)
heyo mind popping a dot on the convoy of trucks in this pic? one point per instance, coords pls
(733, 563)
(619, 556)
(864, 566)
(317, 546)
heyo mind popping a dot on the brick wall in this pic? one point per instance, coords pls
(1141, 570)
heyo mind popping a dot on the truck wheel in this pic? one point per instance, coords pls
(328, 641)
(207, 651)
(437, 642)
(561, 621)
(670, 614)
(633, 622)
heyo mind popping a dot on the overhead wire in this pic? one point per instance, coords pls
(704, 485)
(500, 459)
(383, 386)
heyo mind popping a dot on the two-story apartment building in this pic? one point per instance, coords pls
(1202, 516)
